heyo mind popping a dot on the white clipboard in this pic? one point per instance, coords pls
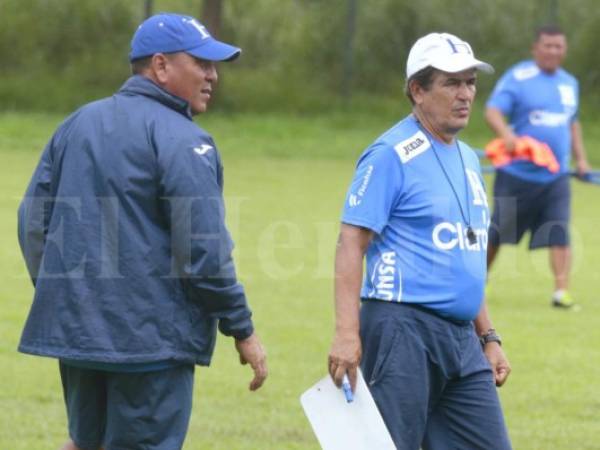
(340, 425)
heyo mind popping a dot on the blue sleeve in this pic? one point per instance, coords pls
(191, 187)
(35, 210)
(504, 95)
(34, 214)
(376, 187)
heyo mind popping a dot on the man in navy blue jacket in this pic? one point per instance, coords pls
(123, 232)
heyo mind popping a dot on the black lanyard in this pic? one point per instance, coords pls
(471, 236)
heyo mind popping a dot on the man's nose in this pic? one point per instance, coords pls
(465, 90)
(211, 73)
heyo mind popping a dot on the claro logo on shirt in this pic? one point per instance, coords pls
(548, 119)
(447, 236)
(413, 146)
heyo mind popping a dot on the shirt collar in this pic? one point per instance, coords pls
(138, 84)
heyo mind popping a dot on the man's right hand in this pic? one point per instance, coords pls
(344, 357)
(510, 141)
(252, 352)
(497, 122)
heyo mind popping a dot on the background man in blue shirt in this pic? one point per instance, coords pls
(123, 232)
(537, 98)
(417, 210)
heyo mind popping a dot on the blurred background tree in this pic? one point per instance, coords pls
(298, 54)
(212, 13)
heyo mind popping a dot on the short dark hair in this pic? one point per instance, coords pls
(138, 66)
(548, 29)
(423, 78)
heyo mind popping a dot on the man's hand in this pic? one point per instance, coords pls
(500, 365)
(344, 357)
(252, 352)
(582, 166)
(497, 122)
(510, 141)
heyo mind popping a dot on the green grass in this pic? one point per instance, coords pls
(285, 180)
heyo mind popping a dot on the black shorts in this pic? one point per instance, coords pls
(128, 410)
(543, 209)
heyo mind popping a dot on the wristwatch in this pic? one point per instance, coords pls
(490, 336)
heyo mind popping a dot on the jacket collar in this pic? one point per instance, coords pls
(138, 84)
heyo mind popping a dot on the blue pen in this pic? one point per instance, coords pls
(347, 389)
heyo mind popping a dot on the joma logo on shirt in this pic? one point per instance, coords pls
(411, 147)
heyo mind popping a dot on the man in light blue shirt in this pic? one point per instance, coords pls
(417, 210)
(537, 98)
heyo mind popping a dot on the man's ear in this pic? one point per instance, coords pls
(416, 91)
(159, 67)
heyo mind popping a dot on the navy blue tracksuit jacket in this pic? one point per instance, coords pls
(122, 229)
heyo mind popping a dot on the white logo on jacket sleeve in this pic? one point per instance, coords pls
(203, 149)
(413, 146)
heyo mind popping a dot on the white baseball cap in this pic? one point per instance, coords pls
(444, 52)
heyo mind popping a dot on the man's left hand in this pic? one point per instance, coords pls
(498, 361)
(252, 352)
(583, 167)
(344, 358)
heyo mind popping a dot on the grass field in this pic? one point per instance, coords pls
(285, 181)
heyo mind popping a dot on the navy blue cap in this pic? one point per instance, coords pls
(170, 33)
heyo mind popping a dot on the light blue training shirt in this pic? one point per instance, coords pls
(541, 105)
(420, 253)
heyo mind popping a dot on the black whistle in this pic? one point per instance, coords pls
(471, 236)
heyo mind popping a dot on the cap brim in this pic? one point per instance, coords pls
(214, 50)
(459, 63)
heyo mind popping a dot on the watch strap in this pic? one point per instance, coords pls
(490, 336)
